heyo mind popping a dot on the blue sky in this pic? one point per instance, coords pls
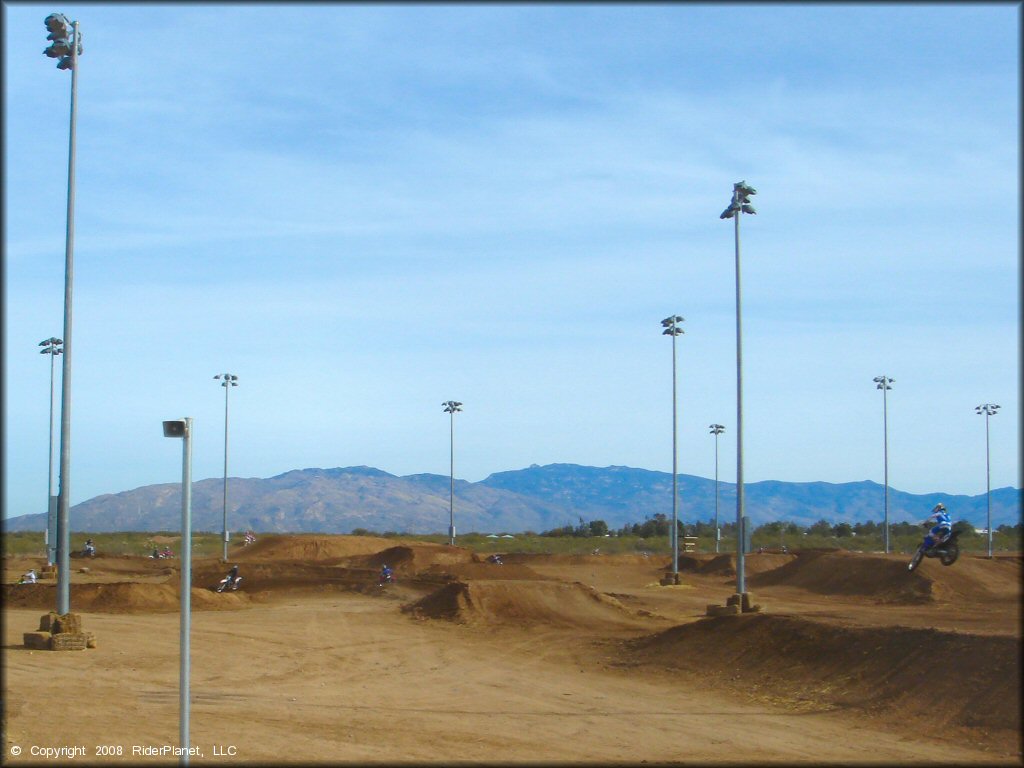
(364, 211)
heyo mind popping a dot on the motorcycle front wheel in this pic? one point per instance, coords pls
(952, 552)
(916, 559)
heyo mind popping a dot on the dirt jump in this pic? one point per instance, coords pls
(544, 658)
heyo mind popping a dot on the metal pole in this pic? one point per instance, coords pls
(63, 505)
(50, 545)
(740, 580)
(227, 388)
(186, 588)
(988, 490)
(451, 497)
(885, 441)
(675, 500)
(716, 493)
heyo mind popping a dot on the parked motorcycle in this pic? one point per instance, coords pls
(947, 552)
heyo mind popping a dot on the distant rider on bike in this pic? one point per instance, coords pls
(942, 526)
(385, 574)
(232, 575)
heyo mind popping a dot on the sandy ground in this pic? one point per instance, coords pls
(543, 659)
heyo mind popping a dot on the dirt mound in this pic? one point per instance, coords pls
(725, 564)
(528, 558)
(880, 670)
(885, 578)
(522, 603)
(286, 575)
(120, 597)
(484, 571)
(975, 578)
(413, 558)
(310, 547)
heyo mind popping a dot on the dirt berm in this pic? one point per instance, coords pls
(120, 597)
(310, 547)
(523, 603)
(725, 564)
(887, 580)
(943, 679)
(540, 558)
(413, 558)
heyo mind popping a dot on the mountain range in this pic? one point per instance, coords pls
(537, 498)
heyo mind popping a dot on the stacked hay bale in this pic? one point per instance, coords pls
(734, 605)
(60, 632)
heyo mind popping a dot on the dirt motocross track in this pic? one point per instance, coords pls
(542, 659)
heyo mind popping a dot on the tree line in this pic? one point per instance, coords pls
(659, 525)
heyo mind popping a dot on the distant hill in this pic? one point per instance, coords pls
(537, 498)
(624, 494)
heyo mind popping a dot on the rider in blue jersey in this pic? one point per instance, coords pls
(942, 526)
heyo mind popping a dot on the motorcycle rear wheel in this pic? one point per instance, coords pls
(916, 559)
(951, 553)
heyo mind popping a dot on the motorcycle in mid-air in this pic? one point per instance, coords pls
(387, 576)
(947, 551)
(227, 584)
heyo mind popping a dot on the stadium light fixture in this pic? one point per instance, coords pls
(230, 380)
(671, 328)
(716, 430)
(51, 347)
(452, 407)
(740, 203)
(66, 46)
(883, 383)
(183, 428)
(988, 409)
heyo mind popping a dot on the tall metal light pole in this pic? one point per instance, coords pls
(989, 409)
(51, 347)
(66, 46)
(716, 430)
(183, 428)
(229, 381)
(883, 383)
(671, 326)
(740, 203)
(452, 407)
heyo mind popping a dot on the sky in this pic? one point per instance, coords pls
(363, 211)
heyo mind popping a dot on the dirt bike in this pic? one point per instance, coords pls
(385, 578)
(227, 584)
(947, 552)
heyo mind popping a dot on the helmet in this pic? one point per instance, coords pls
(940, 507)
